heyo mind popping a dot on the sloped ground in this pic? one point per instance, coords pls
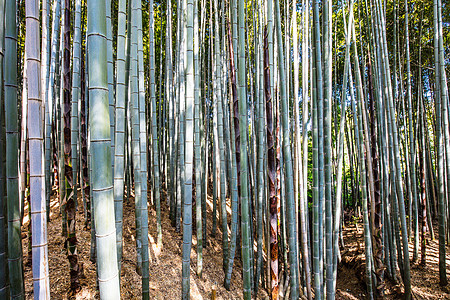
(165, 263)
(351, 272)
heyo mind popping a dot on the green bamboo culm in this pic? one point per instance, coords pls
(135, 147)
(49, 98)
(439, 102)
(109, 61)
(189, 150)
(142, 206)
(304, 223)
(367, 235)
(76, 93)
(215, 157)
(155, 142)
(305, 117)
(12, 143)
(412, 143)
(234, 174)
(178, 91)
(45, 56)
(261, 151)
(68, 135)
(234, 212)
(328, 144)
(317, 93)
(102, 183)
(340, 143)
(181, 111)
(243, 131)
(41, 280)
(287, 160)
(175, 202)
(119, 154)
(4, 278)
(169, 99)
(60, 93)
(197, 148)
(219, 139)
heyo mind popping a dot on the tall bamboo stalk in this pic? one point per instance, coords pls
(109, 61)
(439, 99)
(169, 99)
(260, 151)
(340, 143)
(49, 103)
(189, 150)
(4, 276)
(61, 114)
(102, 182)
(422, 171)
(219, 139)
(362, 147)
(234, 167)
(76, 92)
(155, 142)
(327, 107)
(143, 150)
(45, 55)
(287, 160)
(69, 174)
(23, 158)
(318, 156)
(134, 111)
(181, 108)
(11, 126)
(412, 143)
(197, 143)
(243, 171)
(41, 281)
(304, 202)
(120, 121)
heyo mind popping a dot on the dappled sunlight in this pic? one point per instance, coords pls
(156, 251)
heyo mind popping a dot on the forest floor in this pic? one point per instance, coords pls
(351, 271)
(165, 263)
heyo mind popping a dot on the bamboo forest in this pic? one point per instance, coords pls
(224, 149)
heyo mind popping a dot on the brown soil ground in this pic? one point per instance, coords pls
(351, 271)
(165, 264)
